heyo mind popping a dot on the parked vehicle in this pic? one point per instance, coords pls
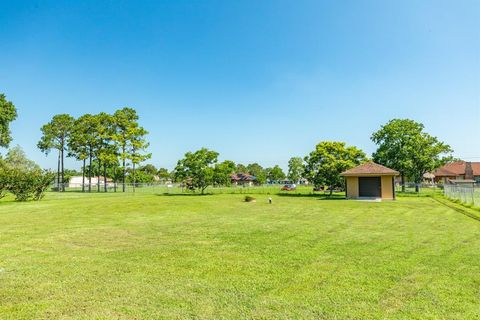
(289, 187)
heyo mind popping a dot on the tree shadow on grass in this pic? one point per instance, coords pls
(165, 194)
(317, 196)
(292, 195)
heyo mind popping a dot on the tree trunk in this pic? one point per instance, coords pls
(124, 169)
(417, 185)
(134, 177)
(90, 173)
(98, 175)
(83, 175)
(105, 177)
(115, 178)
(58, 172)
(124, 175)
(403, 182)
(63, 172)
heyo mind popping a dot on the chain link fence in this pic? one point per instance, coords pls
(161, 188)
(469, 194)
(423, 188)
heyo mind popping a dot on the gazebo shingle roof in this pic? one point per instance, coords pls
(370, 168)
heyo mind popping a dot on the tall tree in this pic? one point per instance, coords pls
(8, 113)
(106, 151)
(295, 169)
(78, 145)
(138, 145)
(83, 143)
(125, 122)
(404, 146)
(328, 160)
(197, 169)
(55, 135)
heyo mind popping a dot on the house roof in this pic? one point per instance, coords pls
(476, 168)
(242, 177)
(456, 168)
(370, 168)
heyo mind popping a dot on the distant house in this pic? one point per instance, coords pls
(370, 180)
(77, 181)
(243, 179)
(457, 172)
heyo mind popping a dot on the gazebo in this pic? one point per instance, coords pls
(370, 181)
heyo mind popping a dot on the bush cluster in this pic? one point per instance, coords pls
(25, 184)
(249, 199)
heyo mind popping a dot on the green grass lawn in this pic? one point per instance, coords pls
(114, 256)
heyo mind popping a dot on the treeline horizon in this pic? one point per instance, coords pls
(104, 144)
(114, 146)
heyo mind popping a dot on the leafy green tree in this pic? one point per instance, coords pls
(55, 135)
(8, 113)
(140, 176)
(295, 169)
(126, 124)
(78, 145)
(258, 172)
(149, 169)
(138, 145)
(275, 174)
(115, 172)
(105, 150)
(241, 168)
(197, 169)
(17, 159)
(223, 173)
(144, 174)
(328, 160)
(83, 143)
(404, 146)
(164, 174)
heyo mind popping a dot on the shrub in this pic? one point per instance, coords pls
(42, 180)
(249, 199)
(4, 182)
(27, 184)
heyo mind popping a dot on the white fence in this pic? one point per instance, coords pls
(468, 194)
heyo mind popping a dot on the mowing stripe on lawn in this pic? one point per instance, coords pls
(458, 209)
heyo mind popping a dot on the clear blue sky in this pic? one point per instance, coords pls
(255, 80)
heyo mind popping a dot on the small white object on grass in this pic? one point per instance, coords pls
(270, 200)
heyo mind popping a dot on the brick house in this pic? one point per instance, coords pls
(458, 171)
